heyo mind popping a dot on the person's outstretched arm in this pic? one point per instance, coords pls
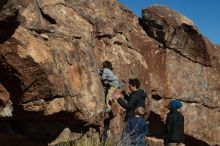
(127, 105)
(126, 95)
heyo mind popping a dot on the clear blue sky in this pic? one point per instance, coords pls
(204, 13)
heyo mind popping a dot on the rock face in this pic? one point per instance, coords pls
(48, 66)
(178, 33)
(187, 68)
(51, 50)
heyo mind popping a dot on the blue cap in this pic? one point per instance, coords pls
(175, 104)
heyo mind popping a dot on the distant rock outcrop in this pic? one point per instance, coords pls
(50, 53)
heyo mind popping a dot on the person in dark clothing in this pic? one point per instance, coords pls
(174, 134)
(135, 99)
(136, 129)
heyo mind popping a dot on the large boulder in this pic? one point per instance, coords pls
(187, 67)
(177, 32)
(51, 51)
(50, 60)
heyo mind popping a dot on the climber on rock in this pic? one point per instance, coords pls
(110, 82)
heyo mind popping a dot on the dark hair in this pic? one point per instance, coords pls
(107, 64)
(134, 82)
